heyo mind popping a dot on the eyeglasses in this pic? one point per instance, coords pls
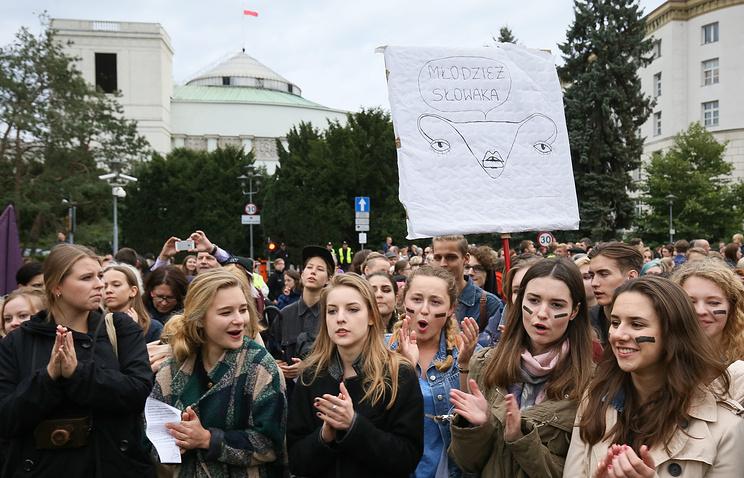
(163, 298)
(477, 268)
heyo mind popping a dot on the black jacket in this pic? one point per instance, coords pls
(112, 393)
(380, 443)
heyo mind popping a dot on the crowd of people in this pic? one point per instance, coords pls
(576, 359)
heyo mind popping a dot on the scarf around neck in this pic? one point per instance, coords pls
(536, 370)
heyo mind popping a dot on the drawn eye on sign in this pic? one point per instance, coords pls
(489, 142)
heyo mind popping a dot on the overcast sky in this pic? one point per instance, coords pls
(324, 46)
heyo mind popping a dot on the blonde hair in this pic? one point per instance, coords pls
(451, 327)
(253, 326)
(185, 332)
(34, 297)
(132, 277)
(732, 346)
(380, 366)
(57, 267)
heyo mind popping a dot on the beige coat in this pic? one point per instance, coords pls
(712, 444)
(539, 453)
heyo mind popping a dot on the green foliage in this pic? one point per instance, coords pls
(309, 199)
(506, 35)
(694, 170)
(55, 130)
(188, 191)
(605, 108)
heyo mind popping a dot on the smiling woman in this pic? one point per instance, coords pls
(649, 400)
(60, 375)
(228, 386)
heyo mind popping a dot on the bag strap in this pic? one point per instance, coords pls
(111, 332)
(483, 317)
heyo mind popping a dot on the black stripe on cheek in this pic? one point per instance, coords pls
(645, 338)
(527, 309)
(440, 315)
(410, 311)
(560, 316)
(720, 312)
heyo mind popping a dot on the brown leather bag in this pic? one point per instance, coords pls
(60, 433)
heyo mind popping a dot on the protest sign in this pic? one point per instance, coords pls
(482, 141)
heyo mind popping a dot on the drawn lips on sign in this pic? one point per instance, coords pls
(489, 142)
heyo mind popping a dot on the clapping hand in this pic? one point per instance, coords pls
(467, 341)
(512, 420)
(407, 342)
(189, 432)
(621, 461)
(63, 360)
(473, 406)
(337, 413)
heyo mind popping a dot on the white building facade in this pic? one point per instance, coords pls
(238, 102)
(697, 74)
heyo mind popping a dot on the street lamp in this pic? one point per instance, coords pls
(71, 219)
(671, 197)
(250, 192)
(117, 180)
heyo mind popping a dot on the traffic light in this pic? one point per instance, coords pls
(272, 248)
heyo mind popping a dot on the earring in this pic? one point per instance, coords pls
(59, 294)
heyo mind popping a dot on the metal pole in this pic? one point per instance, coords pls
(250, 200)
(70, 218)
(116, 223)
(671, 236)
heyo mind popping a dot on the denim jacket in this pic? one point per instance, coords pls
(468, 305)
(441, 383)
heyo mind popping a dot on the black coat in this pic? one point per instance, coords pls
(380, 443)
(112, 393)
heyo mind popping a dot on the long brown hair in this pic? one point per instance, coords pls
(732, 340)
(689, 363)
(130, 273)
(572, 374)
(451, 328)
(380, 365)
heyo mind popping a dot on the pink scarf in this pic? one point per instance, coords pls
(535, 369)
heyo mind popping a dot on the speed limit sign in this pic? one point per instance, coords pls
(250, 209)
(545, 239)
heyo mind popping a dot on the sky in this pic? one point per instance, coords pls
(326, 47)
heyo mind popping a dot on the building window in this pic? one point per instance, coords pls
(225, 81)
(710, 33)
(710, 113)
(657, 123)
(106, 72)
(657, 49)
(657, 84)
(710, 72)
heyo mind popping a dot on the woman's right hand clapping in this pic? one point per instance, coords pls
(407, 343)
(473, 406)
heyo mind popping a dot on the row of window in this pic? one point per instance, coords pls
(710, 75)
(710, 116)
(709, 34)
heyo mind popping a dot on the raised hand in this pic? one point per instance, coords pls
(467, 339)
(158, 353)
(512, 420)
(407, 342)
(627, 464)
(169, 248)
(53, 367)
(473, 406)
(201, 242)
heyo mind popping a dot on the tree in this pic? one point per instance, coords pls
(309, 199)
(186, 191)
(506, 35)
(605, 108)
(55, 133)
(696, 173)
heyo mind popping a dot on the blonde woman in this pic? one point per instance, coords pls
(121, 293)
(717, 296)
(228, 386)
(18, 307)
(70, 399)
(357, 409)
(430, 338)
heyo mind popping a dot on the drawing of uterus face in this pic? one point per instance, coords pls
(489, 142)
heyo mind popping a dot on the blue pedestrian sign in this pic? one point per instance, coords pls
(361, 204)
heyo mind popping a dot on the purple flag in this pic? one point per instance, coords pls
(10, 251)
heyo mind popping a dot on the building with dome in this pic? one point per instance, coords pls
(238, 101)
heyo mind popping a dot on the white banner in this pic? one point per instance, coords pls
(482, 140)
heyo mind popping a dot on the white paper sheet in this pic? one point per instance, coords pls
(482, 140)
(157, 414)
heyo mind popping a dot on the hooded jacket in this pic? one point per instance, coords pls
(110, 392)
